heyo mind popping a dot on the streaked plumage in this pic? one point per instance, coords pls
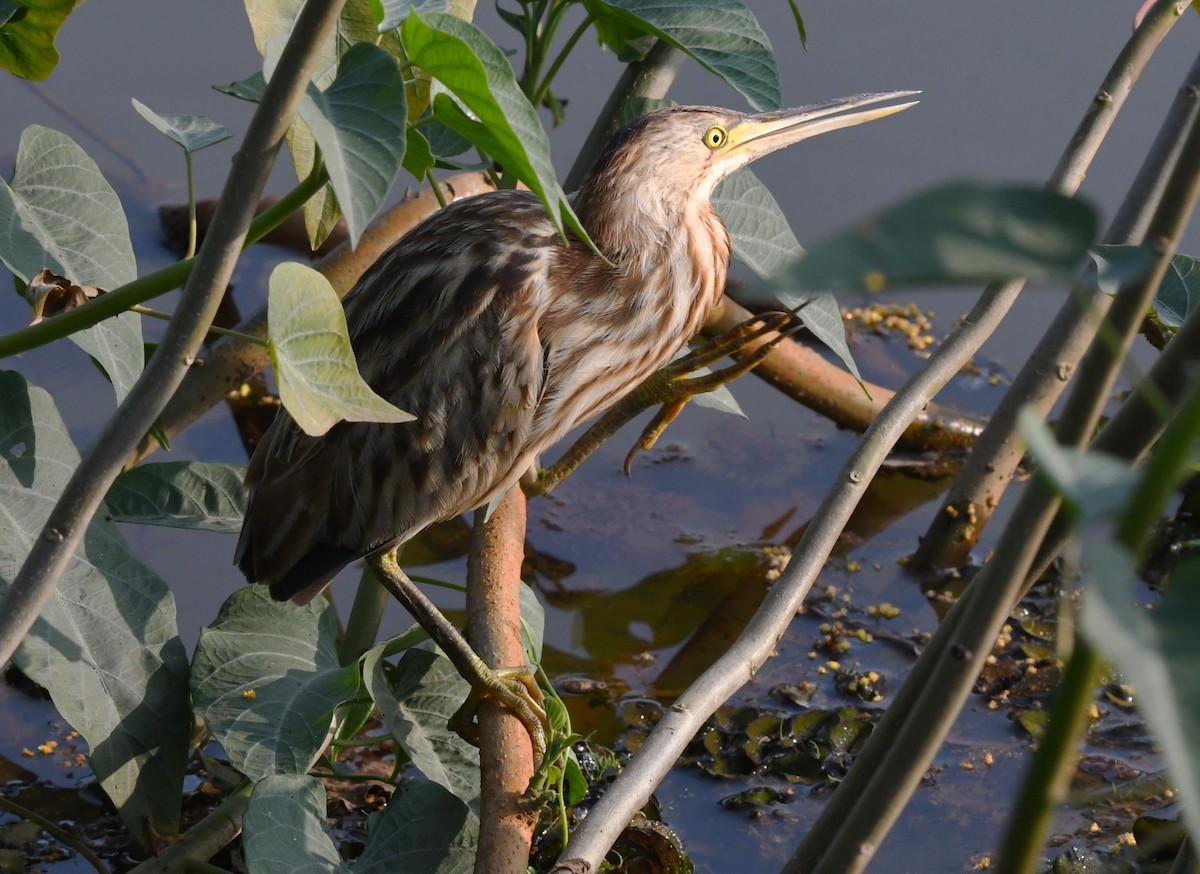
(500, 338)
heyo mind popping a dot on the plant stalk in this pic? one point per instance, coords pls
(506, 761)
(902, 746)
(989, 469)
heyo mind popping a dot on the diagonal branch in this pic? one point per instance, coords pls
(671, 735)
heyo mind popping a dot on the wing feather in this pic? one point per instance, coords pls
(444, 325)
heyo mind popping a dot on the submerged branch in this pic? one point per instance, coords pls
(804, 375)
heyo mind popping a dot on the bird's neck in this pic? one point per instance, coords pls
(668, 260)
(641, 231)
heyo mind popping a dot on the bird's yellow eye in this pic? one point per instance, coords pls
(715, 137)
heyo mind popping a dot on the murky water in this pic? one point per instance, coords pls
(1004, 85)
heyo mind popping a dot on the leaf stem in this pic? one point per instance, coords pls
(191, 185)
(543, 89)
(212, 329)
(153, 285)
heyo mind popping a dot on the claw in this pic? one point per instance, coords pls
(650, 434)
(515, 688)
(670, 389)
(727, 343)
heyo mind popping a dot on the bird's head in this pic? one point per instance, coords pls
(659, 163)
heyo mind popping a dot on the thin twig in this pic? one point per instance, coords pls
(83, 494)
(905, 742)
(671, 735)
(988, 470)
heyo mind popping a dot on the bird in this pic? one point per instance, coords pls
(500, 335)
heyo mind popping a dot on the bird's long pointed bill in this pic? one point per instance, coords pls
(768, 131)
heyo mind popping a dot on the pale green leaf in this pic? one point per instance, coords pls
(952, 234)
(533, 615)
(762, 238)
(266, 680)
(423, 830)
(181, 494)
(395, 11)
(285, 830)
(1093, 485)
(105, 645)
(315, 367)
(722, 35)
(359, 123)
(271, 22)
(1179, 292)
(191, 132)
(416, 698)
(59, 212)
(1156, 650)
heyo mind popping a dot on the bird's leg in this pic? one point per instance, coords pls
(670, 388)
(515, 687)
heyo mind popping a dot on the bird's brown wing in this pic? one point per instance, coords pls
(444, 325)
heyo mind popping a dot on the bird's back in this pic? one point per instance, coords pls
(441, 328)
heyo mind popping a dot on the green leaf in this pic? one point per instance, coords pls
(105, 645)
(59, 212)
(1093, 485)
(250, 89)
(722, 35)
(951, 234)
(763, 241)
(1118, 264)
(359, 123)
(271, 21)
(266, 680)
(762, 238)
(181, 494)
(416, 698)
(11, 12)
(27, 36)
(191, 132)
(418, 156)
(315, 367)
(395, 11)
(823, 317)
(285, 830)
(502, 122)
(720, 399)
(1156, 650)
(534, 617)
(800, 29)
(423, 830)
(1179, 292)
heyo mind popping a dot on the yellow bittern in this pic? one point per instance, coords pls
(500, 337)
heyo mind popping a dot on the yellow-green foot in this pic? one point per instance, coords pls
(514, 688)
